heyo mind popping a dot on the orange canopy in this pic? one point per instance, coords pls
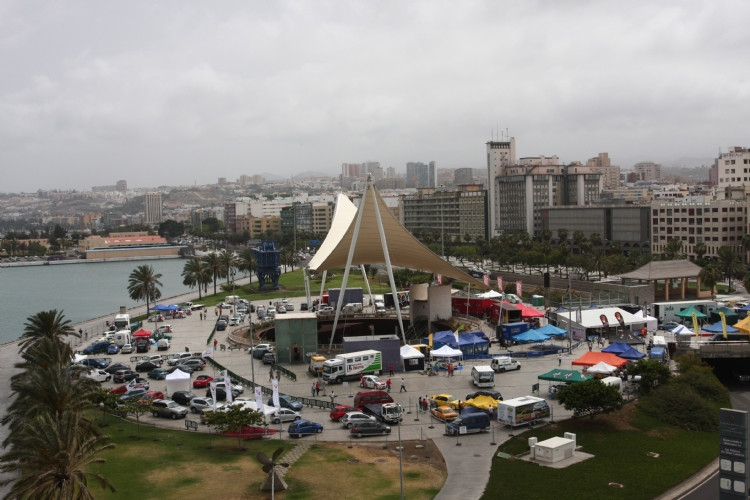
(591, 358)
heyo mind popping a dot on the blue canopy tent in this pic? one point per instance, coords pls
(163, 308)
(716, 328)
(624, 351)
(531, 336)
(552, 331)
(471, 344)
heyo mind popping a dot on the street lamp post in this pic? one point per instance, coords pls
(442, 225)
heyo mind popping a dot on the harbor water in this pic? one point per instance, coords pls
(81, 291)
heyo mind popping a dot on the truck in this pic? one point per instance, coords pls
(522, 411)
(667, 311)
(122, 320)
(123, 337)
(192, 307)
(316, 364)
(351, 365)
(390, 413)
(351, 295)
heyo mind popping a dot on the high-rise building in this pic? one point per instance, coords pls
(647, 171)
(733, 168)
(445, 215)
(500, 155)
(610, 173)
(153, 208)
(232, 211)
(463, 176)
(122, 186)
(420, 175)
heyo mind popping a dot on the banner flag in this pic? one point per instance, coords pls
(695, 325)
(227, 386)
(439, 279)
(486, 279)
(519, 289)
(500, 284)
(208, 353)
(275, 387)
(212, 386)
(723, 324)
(259, 397)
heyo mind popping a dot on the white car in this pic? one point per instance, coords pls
(372, 382)
(235, 387)
(127, 349)
(353, 417)
(271, 311)
(98, 375)
(285, 415)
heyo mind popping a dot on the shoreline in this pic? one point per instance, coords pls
(31, 263)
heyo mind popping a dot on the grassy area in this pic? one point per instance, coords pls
(188, 464)
(620, 446)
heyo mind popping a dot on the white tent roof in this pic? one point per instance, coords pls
(404, 250)
(590, 318)
(446, 352)
(491, 294)
(178, 375)
(682, 330)
(601, 367)
(408, 352)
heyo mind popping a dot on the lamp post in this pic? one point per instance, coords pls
(442, 225)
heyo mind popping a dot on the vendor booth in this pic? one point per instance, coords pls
(411, 359)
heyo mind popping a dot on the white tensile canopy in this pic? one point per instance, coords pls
(370, 234)
(446, 352)
(178, 380)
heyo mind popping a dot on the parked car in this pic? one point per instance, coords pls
(339, 411)
(221, 394)
(150, 397)
(221, 325)
(300, 428)
(369, 427)
(287, 402)
(127, 349)
(124, 376)
(236, 386)
(444, 413)
(134, 394)
(325, 311)
(372, 382)
(116, 367)
(164, 328)
(354, 417)
(281, 309)
(202, 381)
(97, 347)
(158, 373)
(146, 366)
(284, 415)
(113, 349)
(96, 363)
(98, 375)
(195, 363)
(182, 397)
(199, 404)
(259, 350)
(440, 399)
(669, 325)
(269, 358)
(168, 408)
(493, 394)
(183, 368)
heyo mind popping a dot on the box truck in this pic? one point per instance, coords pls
(522, 411)
(351, 365)
(122, 320)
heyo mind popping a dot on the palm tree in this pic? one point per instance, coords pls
(196, 273)
(228, 262)
(746, 246)
(215, 266)
(728, 262)
(710, 276)
(143, 284)
(51, 457)
(46, 325)
(700, 249)
(562, 235)
(579, 237)
(247, 263)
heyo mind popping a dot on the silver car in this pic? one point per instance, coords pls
(197, 405)
(355, 417)
(168, 408)
(285, 415)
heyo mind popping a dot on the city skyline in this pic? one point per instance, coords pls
(185, 93)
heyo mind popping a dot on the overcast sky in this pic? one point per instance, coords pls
(185, 92)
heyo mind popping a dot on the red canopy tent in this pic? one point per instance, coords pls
(591, 358)
(142, 333)
(529, 312)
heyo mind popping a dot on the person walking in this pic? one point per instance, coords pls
(390, 370)
(333, 397)
(270, 374)
(403, 385)
(559, 359)
(215, 344)
(388, 385)
(317, 388)
(312, 390)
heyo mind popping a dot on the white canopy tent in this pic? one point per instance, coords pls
(178, 380)
(446, 352)
(371, 234)
(490, 294)
(411, 358)
(652, 324)
(601, 368)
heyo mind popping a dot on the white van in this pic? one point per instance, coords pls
(483, 376)
(352, 307)
(502, 364)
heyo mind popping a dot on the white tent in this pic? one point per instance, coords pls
(446, 352)
(411, 359)
(490, 294)
(178, 380)
(682, 330)
(652, 324)
(601, 368)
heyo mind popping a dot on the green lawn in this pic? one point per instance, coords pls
(620, 455)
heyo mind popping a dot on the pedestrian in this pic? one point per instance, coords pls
(390, 370)
(590, 346)
(278, 374)
(270, 374)
(419, 404)
(403, 385)
(312, 390)
(388, 385)
(80, 332)
(333, 397)
(215, 343)
(425, 404)
(559, 359)
(317, 388)
(201, 315)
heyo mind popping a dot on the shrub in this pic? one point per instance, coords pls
(679, 405)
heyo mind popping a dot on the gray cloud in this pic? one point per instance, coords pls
(158, 93)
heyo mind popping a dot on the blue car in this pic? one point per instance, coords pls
(100, 346)
(95, 363)
(113, 349)
(287, 402)
(299, 428)
(158, 374)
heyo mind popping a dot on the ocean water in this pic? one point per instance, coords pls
(80, 291)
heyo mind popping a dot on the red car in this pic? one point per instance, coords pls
(151, 396)
(340, 410)
(120, 389)
(202, 380)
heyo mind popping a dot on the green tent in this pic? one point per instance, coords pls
(731, 316)
(688, 313)
(564, 376)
